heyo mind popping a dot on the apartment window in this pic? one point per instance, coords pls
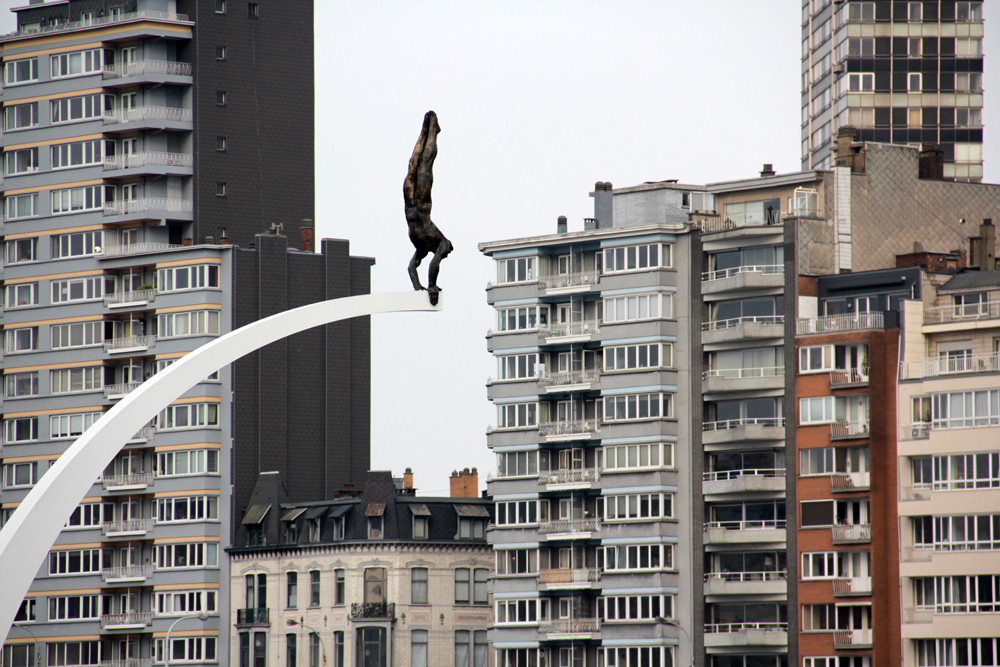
(968, 48)
(220, 6)
(418, 648)
(20, 116)
(75, 64)
(220, 97)
(517, 464)
(958, 651)
(71, 426)
(637, 557)
(74, 653)
(220, 53)
(517, 561)
(184, 556)
(21, 340)
(969, 11)
(516, 270)
(861, 11)
(20, 474)
(519, 415)
(81, 289)
(202, 649)
(516, 366)
(189, 462)
(966, 409)
(20, 295)
(625, 457)
(968, 117)
(518, 512)
(636, 607)
(820, 565)
(77, 154)
(290, 657)
(197, 323)
(971, 82)
(189, 415)
(220, 143)
(220, 189)
(828, 460)
(816, 513)
(636, 257)
(638, 506)
(292, 579)
(20, 71)
(23, 161)
(314, 583)
(73, 109)
(181, 509)
(91, 515)
(628, 308)
(418, 585)
(339, 590)
(637, 406)
(187, 277)
(77, 245)
(22, 206)
(957, 533)
(253, 10)
(79, 334)
(818, 618)
(79, 561)
(74, 200)
(628, 357)
(861, 82)
(861, 47)
(522, 319)
(913, 82)
(74, 607)
(25, 613)
(817, 410)
(19, 385)
(957, 472)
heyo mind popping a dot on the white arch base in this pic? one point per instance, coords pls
(33, 528)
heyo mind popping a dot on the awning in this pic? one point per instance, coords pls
(477, 511)
(338, 511)
(316, 512)
(255, 514)
(294, 514)
(419, 509)
(375, 509)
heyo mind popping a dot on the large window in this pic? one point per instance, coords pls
(958, 472)
(522, 319)
(516, 366)
(195, 323)
(178, 509)
(63, 654)
(71, 426)
(20, 116)
(516, 270)
(768, 259)
(187, 277)
(636, 607)
(20, 429)
(628, 357)
(470, 648)
(960, 652)
(19, 385)
(71, 109)
(470, 585)
(517, 561)
(637, 406)
(973, 594)
(766, 310)
(79, 561)
(74, 200)
(77, 289)
(21, 340)
(520, 512)
(200, 649)
(75, 64)
(517, 464)
(79, 334)
(642, 307)
(21, 206)
(20, 474)
(91, 515)
(637, 257)
(517, 415)
(189, 415)
(979, 532)
(190, 462)
(638, 656)
(21, 161)
(638, 507)
(181, 556)
(78, 154)
(68, 380)
(966, 409)
(74, 607)
(647, 455)
(636, 557)
(20, 71)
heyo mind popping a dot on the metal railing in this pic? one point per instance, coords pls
(363, 610)
(126, 526)
(723, 475)
(728, 424)
(173, 114)
(775, 524)
(734, 322)
(120, 389)
(736, 627)
(918, 431)
(122, 298)
(569, 526)
(140, 67)
(852, 533)
(253, 616)
(103, 20)
(969, 312)
(852, 585)
(570, 626)
(127, 618)
(579, 575)
(144, 433)
(849, 429)
(127, 479)
(569, 377)
(579, 427)
(937, 366)
(847, 378)
(126, 572)
(569, 476)
(149, 158)
(850, 481)
(128, 662)
(745, 373)
(136, 249)
(129, 342)
(766, 269)
(838, 323)
(729, 221)
(747, 577)
(124, 206)
(849, 638)
(569, 280)
(554, 330)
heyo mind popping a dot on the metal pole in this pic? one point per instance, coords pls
(38, 655)
(322, 646)
(667, 621)
(166, 645)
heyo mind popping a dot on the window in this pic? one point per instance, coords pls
(338, 649)
(74, 200)
(627, 308)
(974, 594)
(637, 656)
(220, 97)
(636, 557)
(74, 607)
(818, 618)
(20, 116)
(470, 648)
(77, 154)
(314, 583)
(861, 82)
(470, 529)
(861, 11)
(21, 294)
(194, 323)
(914, 11)
(818, 410)
(971, 82)
(817, 513)
(21, 206)
(638, 506)
(957, 533)
(21, 429)
(68, 380)
(470, 590)
(178, 509)
(636, 607)
(21, 340)
(968, 117)
(516, 366)
(914, 47)
(220, 189)
(220, 143)
(180, 278)
(638, 356)
(290, 658)
(522, 319)
(72, 109)
(76, 245)
(516, 270)
(965, 409)
(189, 415)
(517, 561)
(861, 46)
(517, 415)
(293, 589)
(74, 653)
(201, 649)
(253, 10)
(957, 472)
(517, 464)
(20, 71)
(418, 585)
(521, 611)
(79, 561)
(19, 385)
(375, 528)
(21, 161)
(969, 48)
(420, 528)
(636, 257)
(220, 53)
(80, 289)
(190, 462)
(79, 334)
(969, 11)
(983, 651)
(314, 650)
(637, 406)
(821, 565)
(339, 592)
(75, 64)
(519, 512)
(91, 515)
(71, 426)
(418, 648)
(913, 82)
(220, 6)
(181, 556)
(26, 612)
(624, 457)
(20, 474)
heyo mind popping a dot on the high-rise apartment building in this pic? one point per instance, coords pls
(900, 72)
(142, 140)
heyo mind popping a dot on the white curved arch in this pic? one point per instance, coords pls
(33, 528)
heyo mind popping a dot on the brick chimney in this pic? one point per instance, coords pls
(845, 137)
(982, 248)
(931, 162)
(408, 479)
(308, 235)
(464, 484)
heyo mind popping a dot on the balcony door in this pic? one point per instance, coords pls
(375, 585)
(853, 564)
(571, 459)
(571, 509)
(371, 647)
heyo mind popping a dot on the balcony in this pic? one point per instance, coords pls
(918, 431)
(136, 481)
(253, 616)
(127, 527)
(767, 480)
(570, 628)
(569, 430)
(130, 620)
(745, 634)
(746, 583)
(110, 252)
(168, 114)
(555, 480)
(743, 379)
(126, 574)
(146, 67)
(104, 20)
(848, 378)
(569, 529)
(852, 639)
(971, 312)
(850, 481)
(915, 492)
(149, 159)
(839, 323)
(128, 345)
(126, 299)
(144, 434)
(913, 554)
(570, 283)
(732, 431)
(569, 380)
(852, 534)
(114, 392)
(569, 578)
(848, 430)
(743, 277)
(943, 366)
(846, 586)
(148, 205)
(743, 328)
(745, 532)
(734, 221)
(569, 332)
(129, 662)
(919, 615)
(373, 611)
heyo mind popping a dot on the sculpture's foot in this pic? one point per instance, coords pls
(433, 292)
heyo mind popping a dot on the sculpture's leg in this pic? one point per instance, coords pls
(418, 256)
(443, 250)
(425, 165)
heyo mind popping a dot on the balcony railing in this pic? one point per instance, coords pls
(373, 610)
(129, 619)
(839, 323)
(580, 575)
(570, 626)
(136, 249)
(569, 378)
(126, 206)
(126, 573)
(129, 662)
(561, 329)
(125, 298)
(152, 158)
(140, 67)
(918, 615)
(747, 576)
(850, 481)
(732, 323)
(144, 433)
(730, 221)
(569, 526)
(120, 390)
(852, 586)
(745, 373)
(173, 114)
(916, 492)
(569, 476)
(847, 378)
(970, 312)
(104, 20)
(918, 431)
(728, 424)
(917, 554)
(723, 475)
(852, 534)
(580, 427)
(737, 627)
(765, 269)
(849, 429)
(253, 616)
(852, 638)
(111, 528)
(777, 524)
(570, 280)
(937, 366)
(129, 480)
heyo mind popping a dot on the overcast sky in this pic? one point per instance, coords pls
(537, 100)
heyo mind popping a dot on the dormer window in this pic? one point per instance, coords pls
(315, 528)
(254, 521)
(291, 524)
(374, 513)
(471, 521)
(421, 520)
(338, 528)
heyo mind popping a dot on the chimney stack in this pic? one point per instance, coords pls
(768, 170)
(464, 484)
(931, 162)
(603, 210)
(561, 226)
(982, 250)
(308, 236)
(408, 479)
(845, 137)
